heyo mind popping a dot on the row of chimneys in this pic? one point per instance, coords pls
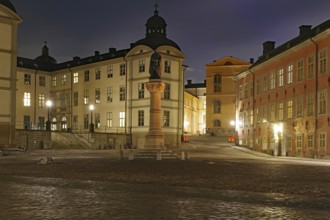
(268, 46)
(97, 53)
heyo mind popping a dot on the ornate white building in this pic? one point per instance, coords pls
(113, 82)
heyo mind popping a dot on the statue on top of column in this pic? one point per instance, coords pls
(155, 67)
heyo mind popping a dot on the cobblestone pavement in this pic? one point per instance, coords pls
(220, 181)
(45, 198)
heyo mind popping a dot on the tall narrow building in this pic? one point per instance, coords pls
(9, 21)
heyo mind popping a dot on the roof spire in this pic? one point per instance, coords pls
(156, 7)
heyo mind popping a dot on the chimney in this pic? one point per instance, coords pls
(112, 50)
(76, 58)
(97, 53)
(268, 47)
(305, 29)
(189, 81)
(251, 60)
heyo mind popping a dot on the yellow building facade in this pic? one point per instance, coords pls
(221, 95)
(113, 82)
(9, 21)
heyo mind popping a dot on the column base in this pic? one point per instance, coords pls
(154, 141)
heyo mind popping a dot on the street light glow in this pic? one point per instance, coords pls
(232, 122)
(91, 107)
(49, 103)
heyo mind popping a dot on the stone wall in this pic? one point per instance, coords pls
(32, 139)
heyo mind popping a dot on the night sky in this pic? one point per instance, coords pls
(205, 30)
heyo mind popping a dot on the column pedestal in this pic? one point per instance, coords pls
(155, 137)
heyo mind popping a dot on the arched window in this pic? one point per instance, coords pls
(54, 124)
(217, 106)
(216, 123)
(217, 82)
(63, 123)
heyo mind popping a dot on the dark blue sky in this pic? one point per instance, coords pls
(205, 30)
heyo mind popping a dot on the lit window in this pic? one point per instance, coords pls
(280, 77)
(322, 102)
(299, 141)
(310, 141)
(86, 97)
(54, 81)
(75, 77)
(122, 119)
(280, 111)
(289, 74)
(27, 99)
(41, 100)
(109, 119)
(63, 80)
(289, 109)
(272, 80)
(97, 120)
(322, 140)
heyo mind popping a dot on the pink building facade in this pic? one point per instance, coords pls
(282, 105)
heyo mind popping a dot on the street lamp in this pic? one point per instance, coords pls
(48, 104)
(91, 126)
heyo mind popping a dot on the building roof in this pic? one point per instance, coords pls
(156, 33)
(306, 33)
(8, 4)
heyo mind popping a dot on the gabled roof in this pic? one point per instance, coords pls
(227, 61)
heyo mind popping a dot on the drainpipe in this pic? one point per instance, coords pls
(71, 95)
(35, 94)
(253, 106)
(316, 96)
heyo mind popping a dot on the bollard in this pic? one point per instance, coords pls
(187, 155)
(182, 156)
(121, 154)
(159, 155)
(131, 155)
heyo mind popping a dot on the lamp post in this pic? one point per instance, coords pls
(48, 104)
(91, 126)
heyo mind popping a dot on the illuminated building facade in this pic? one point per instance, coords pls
(283, 98)
(221, 95)
(113, 82)
(9, 21)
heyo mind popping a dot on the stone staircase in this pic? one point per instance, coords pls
(68, 140)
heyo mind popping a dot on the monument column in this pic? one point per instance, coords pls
(155, 136)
